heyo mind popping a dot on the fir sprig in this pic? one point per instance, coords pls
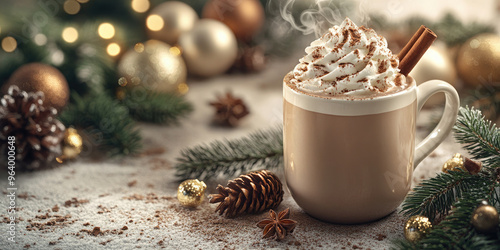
(455, 195)
(479, 136)
(231, 157)
(107, 117)
(163, 108)
(434, 197)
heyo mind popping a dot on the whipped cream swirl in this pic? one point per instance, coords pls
(348, 60)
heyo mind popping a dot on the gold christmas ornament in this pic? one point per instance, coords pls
(462, 162)
(485, 218)
(35, 77)
(167, 21)
(243, 17)
(153, 65)
(435, 64)
(72, 145)
(456, 162)
(209, 49)
(417, 227)
(191, 192)
(478, 60)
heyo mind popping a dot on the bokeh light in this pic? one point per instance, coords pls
(9, 44)
(83, 1)
(139, 47)
(182, 88)
(175, 51)
(155, 22)
(106, 30)
(140, 6)
(40, 39)
(113, 49)
(70, 35)
(71, 7)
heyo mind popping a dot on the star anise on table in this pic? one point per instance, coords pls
(278, 225)
(229, 110)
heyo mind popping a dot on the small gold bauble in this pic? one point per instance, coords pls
(191, 192)
(417, 227)
(436, 64)
(35, 77)
(167, 21)
(243, 17)
(485, 218)
(71, 146)
(478, 60)
(456, 162)
(72, 143)
(209, 49)
(153, 65)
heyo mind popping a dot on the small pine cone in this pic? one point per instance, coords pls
(37, 132)
(250, 193)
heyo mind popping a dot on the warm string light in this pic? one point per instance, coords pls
(40, 39)
(71, 7)
(175, 51)
(70, 34)
(106, 30)
(140, 6)
(113, 49)
(139, 47)
(9, 44)
(155, 22)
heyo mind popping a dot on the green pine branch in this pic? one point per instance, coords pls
(479, 136)
(451, 198)
(163, 108)
(434, 197)
(105, 116)
(231, 157)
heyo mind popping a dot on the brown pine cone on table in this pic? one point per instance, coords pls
(251, 193)
(37, 132)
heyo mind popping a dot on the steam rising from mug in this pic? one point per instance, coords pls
(322, 15)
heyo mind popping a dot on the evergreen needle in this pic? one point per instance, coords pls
(230, 157)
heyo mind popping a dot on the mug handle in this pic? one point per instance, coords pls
(439, 133)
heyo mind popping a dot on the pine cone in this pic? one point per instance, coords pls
(229, 110)
(251, 193)
(38, 134)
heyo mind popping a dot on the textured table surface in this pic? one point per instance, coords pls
(133, 200)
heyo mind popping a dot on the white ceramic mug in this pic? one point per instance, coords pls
(351, 161)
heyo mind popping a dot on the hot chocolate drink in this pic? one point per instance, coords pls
(349, 126)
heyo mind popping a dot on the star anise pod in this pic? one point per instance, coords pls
(278, 225)
(229, 110)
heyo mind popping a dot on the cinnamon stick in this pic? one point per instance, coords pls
(417, 46)
(410, 43)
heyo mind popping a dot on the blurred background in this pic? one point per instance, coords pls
(159, 62)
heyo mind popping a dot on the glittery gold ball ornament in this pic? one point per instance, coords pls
(436, 64)
(167, 21)
(485, 218)
(153, 65)
(72, 145)
(35, 77)
(456, 162)
(478, 60)
(209, 49)
(243, 17)
(417, 227)
(191, 192)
